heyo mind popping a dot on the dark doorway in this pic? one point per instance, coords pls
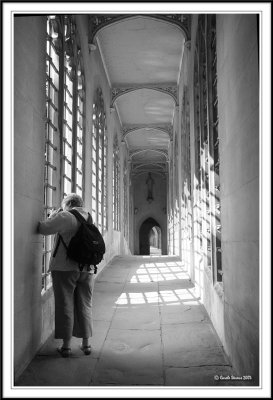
(150, 237)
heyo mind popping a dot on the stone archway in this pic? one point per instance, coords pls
(144, 235)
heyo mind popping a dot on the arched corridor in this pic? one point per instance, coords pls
(154, 120)
(155, 239)
(148, 236)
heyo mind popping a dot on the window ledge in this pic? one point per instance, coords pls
(219, 289)
(208, 272)
(218, 286)
(47, 294)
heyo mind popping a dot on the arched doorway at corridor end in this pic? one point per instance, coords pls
(150, 237)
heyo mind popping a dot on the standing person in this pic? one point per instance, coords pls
(72, 288)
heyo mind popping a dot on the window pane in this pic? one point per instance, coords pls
(51, 142)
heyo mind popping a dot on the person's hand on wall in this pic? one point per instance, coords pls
(38, 227)
(50, 216)
(54, 213)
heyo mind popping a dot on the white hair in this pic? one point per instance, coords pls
(72, 200)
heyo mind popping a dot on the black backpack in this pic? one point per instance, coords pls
(87, 246)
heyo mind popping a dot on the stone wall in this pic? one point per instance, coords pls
(29, 136)
(238, 93)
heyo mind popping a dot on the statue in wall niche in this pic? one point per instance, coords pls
(150, 183)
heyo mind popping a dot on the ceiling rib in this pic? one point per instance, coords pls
(104, 63)
(161, 173)
(168, 129)
(160, 166)
(136, 152)
(99, 21)
(170, 90)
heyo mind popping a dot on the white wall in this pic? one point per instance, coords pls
(32, 319)
(238, 92)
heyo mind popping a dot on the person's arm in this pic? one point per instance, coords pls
(57, 222)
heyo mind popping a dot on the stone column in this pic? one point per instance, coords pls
(131, 215)
(179, 175)
(189, 48)
(111, 131)
(181, 143)
(123, 171)
(168, 203)
(171, 202)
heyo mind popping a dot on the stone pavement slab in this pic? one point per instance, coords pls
(137, 317)
(130, 357)
(53, 370)
(198, 376)
(182, 313)
(213, 356)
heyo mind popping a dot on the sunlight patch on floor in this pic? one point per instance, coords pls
(159, 272)
(175, 296)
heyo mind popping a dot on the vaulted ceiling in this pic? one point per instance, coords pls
(142, 56)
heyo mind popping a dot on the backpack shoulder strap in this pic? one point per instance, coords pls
(59, 239)
(90, 219)
(78, 215)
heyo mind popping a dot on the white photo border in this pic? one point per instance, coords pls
(262, 8)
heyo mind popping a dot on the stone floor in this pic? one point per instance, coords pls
(150, 329)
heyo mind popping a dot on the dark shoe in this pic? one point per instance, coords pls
(65, 352)
(86, 350)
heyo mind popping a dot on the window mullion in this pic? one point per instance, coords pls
(52, 148)
(214, 158)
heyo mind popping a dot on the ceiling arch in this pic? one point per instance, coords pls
(138, 152)
(146, 106)
(141, 51)
(160, 166)
(146, 139)
(138, 173)
(127, 130)
(151, 167)
(139, 168)
(170, 90)
(97, 22)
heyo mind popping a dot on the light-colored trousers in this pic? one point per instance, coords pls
(73, 303)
